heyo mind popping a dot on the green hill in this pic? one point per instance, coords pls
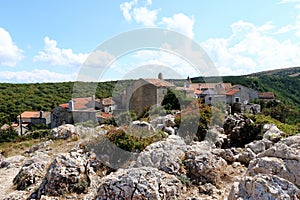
(16, 98)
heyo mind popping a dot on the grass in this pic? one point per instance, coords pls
(9, 149)
(286, 128)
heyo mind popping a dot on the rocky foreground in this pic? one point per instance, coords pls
(171, 169)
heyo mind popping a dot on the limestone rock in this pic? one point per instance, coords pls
(264, 187)
(139, 183)
(12, 162)
(216, 137)
(67, 173)
(245, 156)
(259, 146)
(16, 195)
(272, 133)
(240, 130)
(40, 146)
(63, 132)
(164, 155)
(202, 165)
(32, 171)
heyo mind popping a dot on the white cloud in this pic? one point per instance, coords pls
(10, 54)
(126, 8)
(181, 23)
(140, 14)
(145, 16)
(35, 76)
(249, 49)
(55, 56)
(291, 27)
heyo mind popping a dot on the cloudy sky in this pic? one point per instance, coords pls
(48, 41)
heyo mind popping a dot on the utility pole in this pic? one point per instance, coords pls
(20, 124)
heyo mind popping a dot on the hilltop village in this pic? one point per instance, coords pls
(141, 94)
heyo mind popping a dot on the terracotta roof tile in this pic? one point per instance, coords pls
(232, 92)
(159, 82)
(108, 101)
(33, 114)
(266, 95)
(80, 103)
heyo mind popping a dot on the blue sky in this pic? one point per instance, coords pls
(47, 41)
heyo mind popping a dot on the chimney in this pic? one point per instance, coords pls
(41, 113)
(71, 105)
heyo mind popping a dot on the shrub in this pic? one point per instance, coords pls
(134, 140)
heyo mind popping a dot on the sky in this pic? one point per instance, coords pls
(49, 41)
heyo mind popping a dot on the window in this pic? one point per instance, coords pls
(209, 98)
(237, 99)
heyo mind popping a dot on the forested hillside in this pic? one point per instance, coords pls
(16, 98)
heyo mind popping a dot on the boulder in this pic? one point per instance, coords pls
(63, 132)
(272, 133)
(139, 183)
(240, 130)
(282, 159)
(264, 187)
(259, 146)
(216, 137)
(71, 172)
(32, 171)
(164, 155)
(245, 156)
(202, 165)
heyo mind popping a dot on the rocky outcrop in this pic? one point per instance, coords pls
(68, 130)
(202, 165)
(240, 130)
(272, 133)
(74, 172)
(12, 162)
(264, 187)
(164, 155)
(139, 183)
(32, 171)
(273, 173)
(42, 146)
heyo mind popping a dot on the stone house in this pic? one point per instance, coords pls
(34, 118)
(224, 93)
(144, 93)
(240, 94)
(75, 111)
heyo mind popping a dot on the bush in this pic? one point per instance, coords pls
(134, 140)
(8, 135)
(193, 121)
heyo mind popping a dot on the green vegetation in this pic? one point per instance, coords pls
(195, 118)
(17, 98)
(134, 140)
(286, 128)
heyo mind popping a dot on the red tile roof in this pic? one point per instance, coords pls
(159, 82)
(226, 86)
(80, 103)
(105, 115)
(33, 114)
(266, 95)
(232, 92)
(108, 101)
